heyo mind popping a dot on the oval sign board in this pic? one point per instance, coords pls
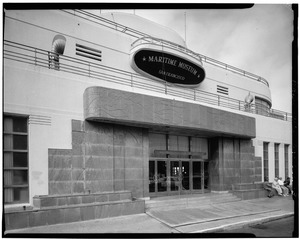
(168, 67)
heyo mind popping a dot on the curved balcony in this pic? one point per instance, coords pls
(145, 37)
(24, 54)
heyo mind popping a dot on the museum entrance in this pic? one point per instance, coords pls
(174, 177)
(178, 164)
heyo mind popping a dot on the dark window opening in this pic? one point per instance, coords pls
(276, 151)
(266, 161)
(286, 160)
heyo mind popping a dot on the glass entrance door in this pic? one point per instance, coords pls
(175, 174)
(200, 175)
(172, 176)
(197, 175)
(162, 182)
(185, 172)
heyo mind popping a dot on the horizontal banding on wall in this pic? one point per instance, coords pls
(115, 106)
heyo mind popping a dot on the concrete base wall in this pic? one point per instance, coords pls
(247, 191)
(40, 202)
(103, 158)
(72, 213)
(251, 194)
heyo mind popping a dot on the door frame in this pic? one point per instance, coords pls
(167, 178)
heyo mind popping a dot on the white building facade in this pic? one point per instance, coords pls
(81, 114)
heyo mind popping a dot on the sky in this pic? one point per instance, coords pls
(257, 40)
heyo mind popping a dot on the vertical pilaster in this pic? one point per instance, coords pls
(145, 159)
(215, 165)
(232, 162)
(247, 161)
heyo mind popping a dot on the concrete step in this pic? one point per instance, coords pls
(50, 210)
(188, 205)
(189, 201)
(250, 193)
(191, 196)
(73, 199)
(248, 186)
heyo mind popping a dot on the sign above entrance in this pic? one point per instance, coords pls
(167, 67)
(195, 155)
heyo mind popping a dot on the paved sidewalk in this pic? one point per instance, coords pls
(210, 218)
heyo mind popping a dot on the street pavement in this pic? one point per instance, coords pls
(212, 218)
(283, 228)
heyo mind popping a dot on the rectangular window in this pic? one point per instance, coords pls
(266, 161)
(15, 157)
(276, 157)
(286, 160)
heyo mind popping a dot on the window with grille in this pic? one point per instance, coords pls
(276, 156)
(266, 161)
(15, 156)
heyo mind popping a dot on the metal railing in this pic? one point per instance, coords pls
(166, 44)
(105, 22)
(199, 57)
(145, 37)
(46, 59)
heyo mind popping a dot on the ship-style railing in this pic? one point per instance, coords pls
(166, 44)
(51, 60)
(201, 58)
(143, 37)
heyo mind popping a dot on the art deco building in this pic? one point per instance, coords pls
(109, 108)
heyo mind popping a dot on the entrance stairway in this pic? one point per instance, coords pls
(49, 209)
(188, 201)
